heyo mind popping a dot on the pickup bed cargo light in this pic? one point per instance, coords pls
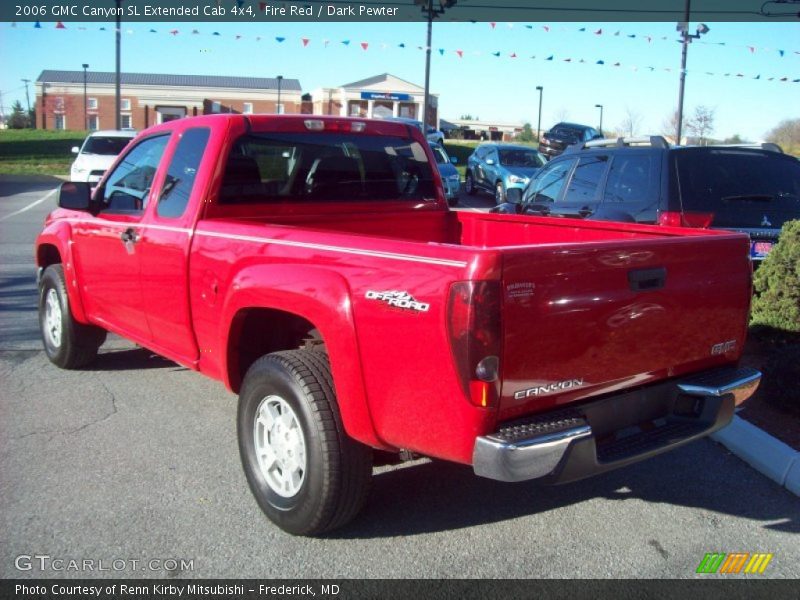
(338, 125)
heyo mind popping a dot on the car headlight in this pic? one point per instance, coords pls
(517, 179)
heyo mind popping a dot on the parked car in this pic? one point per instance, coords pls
(450, 175)
(645, 180)
(431, 133)
(500, 168)
(97, 153)
(563, 135)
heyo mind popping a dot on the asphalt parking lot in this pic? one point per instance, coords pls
(135, 459)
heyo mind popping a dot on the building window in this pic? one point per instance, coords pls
(279, 108)
(93, 122)
(125, 122)
(248, 108)
(59, 104)
(60, 122)
(125, 104)
(215, 107)
(91, 103)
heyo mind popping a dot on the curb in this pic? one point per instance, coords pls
(766, 454)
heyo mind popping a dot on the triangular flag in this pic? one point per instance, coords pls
(581, 61)
(13, 24)
(513, 55)
(495, 54)
(567, 60)
(545, 27)
(239, 3)
(60, 25)
(364, 45)
(305, 41)
(195, 32)
(258, 38)
(102, 29)
(493, 25)
(460, 53)
(153, 31)
(757, 77)
(549, 57)
(441, 51)
(39, 25)
(238, 37)
(617, 33)
(582, 29)
(784, 79)
(795, 80)
(781, 52)
(174, 32)
(215, 33)
(280, 40)
(529, 26)
(401, 45)
(649, 39)
(631, 35)
(616, 64)
(752, 49)
(599, 32)
(346, 42)
(600, 62)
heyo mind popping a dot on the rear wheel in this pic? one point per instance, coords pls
(469, 184)
(67, 343)
(307, 475)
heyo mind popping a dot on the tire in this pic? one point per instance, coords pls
(499, 193)
(307, 475)
(469, 184)
(67, 343)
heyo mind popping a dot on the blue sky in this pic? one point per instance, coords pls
(478, 83)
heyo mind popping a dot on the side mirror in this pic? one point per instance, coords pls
(75, 150)
(75, 195)
(506, 208)
(454, 160)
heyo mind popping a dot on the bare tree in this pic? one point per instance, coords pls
(562, 115)
(630, 124)
(786, 134)
(670, 125)
(701, 124)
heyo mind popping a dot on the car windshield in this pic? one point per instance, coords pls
(105, 145)
(516, 157)
(749, 189)
(440, 155)
(273, 167)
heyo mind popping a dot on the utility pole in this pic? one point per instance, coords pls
(686, 39)
(430, 13)
(600, 106)
(28, 100)
(117, 83)
(2, 110)
(85, 104)
(539, 122)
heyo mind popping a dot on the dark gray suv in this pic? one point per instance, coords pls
(753, 190)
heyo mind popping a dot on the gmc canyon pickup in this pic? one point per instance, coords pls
(312, 265)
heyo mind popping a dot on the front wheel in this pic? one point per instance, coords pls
(307, 475)
(469, 184)
(67, 343)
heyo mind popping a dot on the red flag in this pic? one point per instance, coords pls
(493, 25)
(752, 49)
(513, 55)
(60, 25)
(174, 32)
(599, 32)
(460, 53)
(545, 27)
(365, 45)
(305, 42)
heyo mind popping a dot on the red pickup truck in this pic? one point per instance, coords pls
(312, 265)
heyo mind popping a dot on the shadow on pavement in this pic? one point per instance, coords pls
(131, 360)
(440, 496)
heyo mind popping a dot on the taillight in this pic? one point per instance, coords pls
(473, 320)
(686, 219)
(335, 125)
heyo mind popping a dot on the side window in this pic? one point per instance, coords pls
(586, 180)
(182, 172)
(480, 153)
(547, 185)
(127, 187)
(629, 179)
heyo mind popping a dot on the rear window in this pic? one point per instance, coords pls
(748, 189)
(568, 133)
(105, 145)
(315, 167)
(513, 157)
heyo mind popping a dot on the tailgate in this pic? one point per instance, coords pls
(585, 319)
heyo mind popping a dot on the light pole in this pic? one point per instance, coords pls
(118, 75)
(85, 105)
(278, 105)
(600, 106)
(431, 13)
(539, 122)
(28, 100)
(686, 39)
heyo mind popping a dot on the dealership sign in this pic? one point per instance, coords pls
(384, 96)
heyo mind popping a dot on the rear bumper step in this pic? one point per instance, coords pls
(571, 444)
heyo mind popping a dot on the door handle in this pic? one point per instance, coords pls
(129, 235)
(647, 280)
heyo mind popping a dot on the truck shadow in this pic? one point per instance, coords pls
(131, 360)
(440, 496)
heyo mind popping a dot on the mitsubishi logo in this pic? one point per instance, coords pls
(765, 222)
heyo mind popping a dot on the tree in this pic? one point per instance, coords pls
(701, 124)
(562, 115)
(786, 134)
(669, 125)
(19, 118)
(630, 124)
(734, 139)
(526, 135)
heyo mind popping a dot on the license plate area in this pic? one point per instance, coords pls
(760, 249)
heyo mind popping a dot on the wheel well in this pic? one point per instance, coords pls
(259, 331)
(47, 255)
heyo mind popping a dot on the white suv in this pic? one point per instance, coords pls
(97, 153)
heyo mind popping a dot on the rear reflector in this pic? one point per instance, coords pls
(685, 219)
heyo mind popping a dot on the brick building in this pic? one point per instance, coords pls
(149, 98)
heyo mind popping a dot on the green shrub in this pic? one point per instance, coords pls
(776, 299)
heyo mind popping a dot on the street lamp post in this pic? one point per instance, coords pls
(118, 72)
(600, 106)
(431, 13)
(686, 39)
(278, 105)
(85, 104)
(28, 101)
(539, 122)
